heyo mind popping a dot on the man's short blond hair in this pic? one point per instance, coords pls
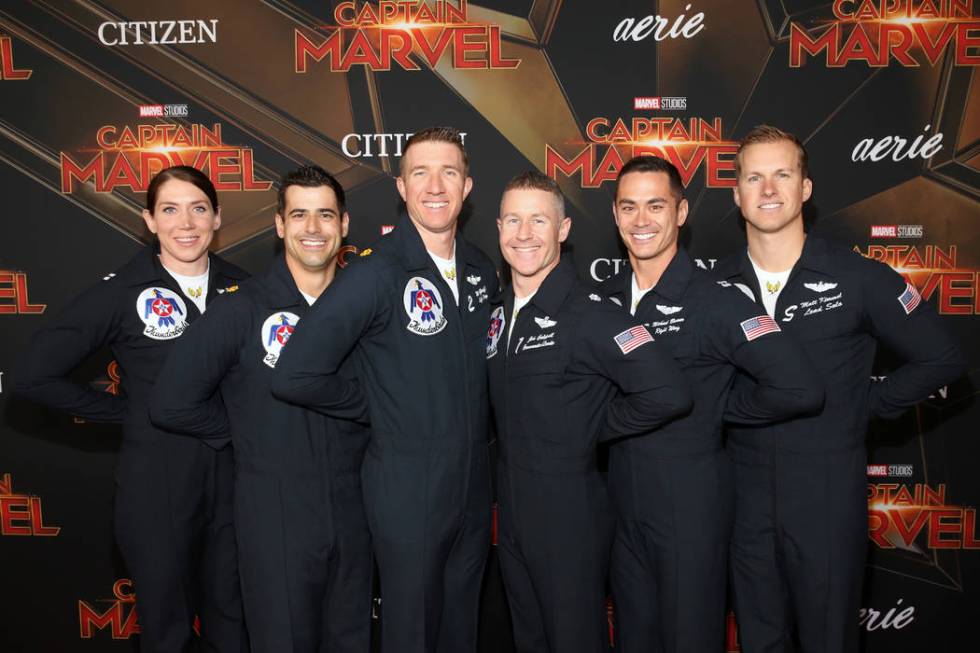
(770, 134)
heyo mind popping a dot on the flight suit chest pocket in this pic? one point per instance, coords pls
(682, 346)
(536, 363)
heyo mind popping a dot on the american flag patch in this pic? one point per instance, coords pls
(759, 326)
(632, 338)
(910, 298)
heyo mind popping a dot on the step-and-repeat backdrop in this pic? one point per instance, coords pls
(96, 96)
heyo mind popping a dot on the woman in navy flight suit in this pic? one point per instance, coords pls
(173, 510)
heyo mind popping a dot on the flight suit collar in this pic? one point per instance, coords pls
(815, 257)
(145, 267)
(672, 284)
(281, 290)
(620, 284)
(412, 250)
(675, 279)
(553, 291)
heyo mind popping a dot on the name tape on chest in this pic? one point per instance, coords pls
(163, 313)
(478, 297)
(275, 333)
(537, 341)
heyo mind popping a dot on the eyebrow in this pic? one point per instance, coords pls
(170, 203)
(322, 209)
(536, 214)
(759, 172)
(652, 200)
(422, 166)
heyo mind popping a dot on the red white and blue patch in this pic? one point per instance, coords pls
(757, 327)
(423, 304)
(910, 298)
(275, 333)
(496, 329)
(632, 338)
(163, 313)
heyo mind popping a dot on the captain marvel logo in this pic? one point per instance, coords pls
(423, 304)
(496, 329)
(163, 313)
(275, 333)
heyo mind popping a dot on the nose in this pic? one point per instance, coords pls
(768, 188)
(312, 224)
(434, 185)
(642, 217)
(186, 221)
(524, 230)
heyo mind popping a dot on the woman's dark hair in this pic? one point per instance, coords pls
(181, 173)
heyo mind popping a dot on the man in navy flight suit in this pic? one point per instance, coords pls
(800, 534)
(414, 310)
(304, 548)
(673, 489)
(566, 366)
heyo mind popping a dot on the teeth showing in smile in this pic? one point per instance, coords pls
(643, 236)
(435, 205)
(312, 243)
(186, 240)
(771, 205)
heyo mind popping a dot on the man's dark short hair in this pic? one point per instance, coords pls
(436, 135)
(648, 163)
(311, 177)
(770, 134)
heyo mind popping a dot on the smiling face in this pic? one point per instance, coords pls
(771, 187)
(434, 184)
(311, 227)
(531, 233)
(184, 221)
(648, 215)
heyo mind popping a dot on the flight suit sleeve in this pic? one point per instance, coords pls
(308, 371)
(784, 383)
(653, 390)
(89, 323)
(907, 325)
(186, 398)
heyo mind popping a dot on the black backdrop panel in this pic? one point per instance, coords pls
(89, 110)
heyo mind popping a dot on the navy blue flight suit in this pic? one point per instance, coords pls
(801, 522)
(303, 545)
(420, 360)
(672, 490)
(558, 384)
(173, 513)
